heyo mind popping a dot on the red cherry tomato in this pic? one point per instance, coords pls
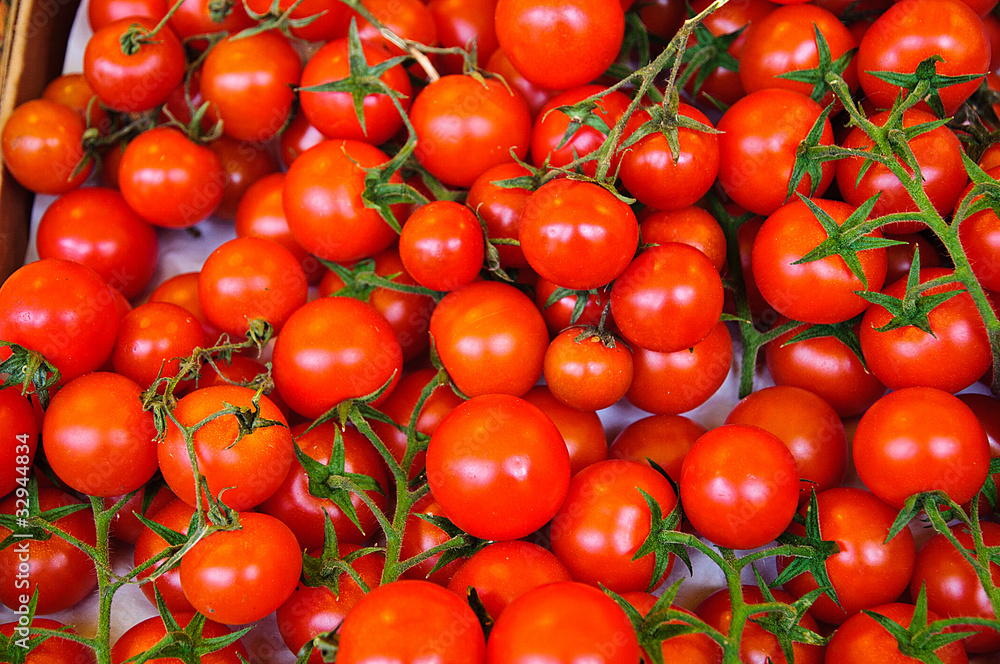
(442, 245)
(41, 145)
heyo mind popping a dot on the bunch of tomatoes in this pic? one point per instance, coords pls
(462, 228)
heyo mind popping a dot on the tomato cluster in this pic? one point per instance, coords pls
(460, 230)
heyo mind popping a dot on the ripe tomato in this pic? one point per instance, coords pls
(63, 310)
(559, 315)
(687, 225)
(664, 439)
(687, 648)
(419, 536)
(577, 234)
(250, 278)
(825, 366)
(587, 374)
(53, 650)
(407, 621)
(175, 515)
(809, 427)
(503, 571)
(333, 113)
(152, 340)
(953, 356)
(534, 95)
(668, 299)
(582, 431)
(498, 467)
(410, 19)
(739, 486)
(867, 570)
(62, 573)
(785, 40)
(250, 467)
(861, 639)
(323, 202)
(313, 610)
(760, 134)
(674, 383)
(490, 338)
(182, 290)
(939, 154)
(18, 439)
(465, 126)
(98, 438)
(243, 163)
(912, 31)
(501, 208)
(409, 314)
(133, 82)
(758, 646)
(460, 23)
(953, 589)
(41, 145)
(563, 622)
(141, 637)
(605, 519)
(74, 91)
(169, 179)
(102, 12)
(900, 256)
(221, 574)
(548, 135)
(559, 44)
(303, 512)
(331, 350)
(399, 407)
(121, 248)
(920, 439)
(331, 17)
(442, 245)
(658, 178)
(821, 291)
(249, 80)
(201, 17)
(297, 137)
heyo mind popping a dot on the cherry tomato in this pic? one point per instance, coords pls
(498, 467)
(461, 23)
(953, 356)
(201, 17)
(152, 340)
(861, 639)
(559, 44)
(221, 574)
(668, 299)
(563, 622)
(658, 178)
(170, 180)
(133, 82)
(419, 536)
(249, 80)
(687, 225)
(490, 338)
(920, 439)
(333, 113)
(182, 290)
(465, 126)
(406, 621)
(980, 235)
(141, 637)
(501, 208)
(62, 574)
(323, 201)
(442, 245)
(577, 235)
(250, 466)
(605, 519)
(175, 515)
(251, 278)
(410, 19)
(334, 349)
(98, 438)
(760, 134)
(560, 314)
(549, 143)
(53, 650)
(663, 439)
(74, 91)
(867, 570)
(41, 145)
(534, 95)
(912, 31)
(102, 12)
(739, 486)
(243, 163)
(122, 248)
(587, 374)
(687, 648)
(18, 439)
(63, 310)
